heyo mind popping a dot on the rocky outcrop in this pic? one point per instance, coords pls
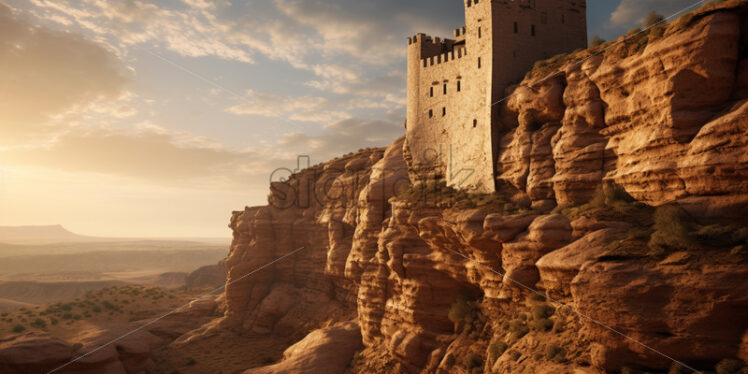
(209, 276)
(558, 268)
(667, 122)
(326, 350)
(506, 283)
(314, 212)
(683, 306)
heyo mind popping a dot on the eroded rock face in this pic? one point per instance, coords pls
(691, 311)
(326, 350)
(315, 212)
(209, 276)
(558, 268)
(666, 121)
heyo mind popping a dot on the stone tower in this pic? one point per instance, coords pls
(452, 126)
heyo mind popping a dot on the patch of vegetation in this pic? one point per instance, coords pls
(39, 323)
(652, 19)
(537, 297)
(657, 32)
(438, 194)
(466, 314)
(673, 230)
(18, 328)
(676, 230)
(610, 201)
(191, 362)
(495, 350)
(596, 41)
(555, 353)
(472, 362)
(517, 327)
(633, 31)
(541, 314)
(542, 311)
(108, 305)
(729, 366)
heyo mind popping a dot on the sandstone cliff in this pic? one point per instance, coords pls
(440, 281)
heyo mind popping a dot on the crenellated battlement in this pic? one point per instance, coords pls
(433, 47)
(459, 33)
(454, 54)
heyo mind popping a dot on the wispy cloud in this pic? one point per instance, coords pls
(303, 108)
(339, 137)
(630, 13)
(44, 73)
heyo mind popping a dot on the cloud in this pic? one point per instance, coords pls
(304, 108)
(190, 30)
(45, 73)
(630, 13)
(149, 154)
(343, 136)
(155, 156)
(381, 85)
(372, 31)
(312, 35)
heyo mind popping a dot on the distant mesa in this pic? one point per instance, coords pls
(39, 235)
(54, 234)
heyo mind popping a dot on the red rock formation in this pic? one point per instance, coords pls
(665, 119)
(648, 120)
(326, 350)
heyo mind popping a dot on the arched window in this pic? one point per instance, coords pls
(532, 30)
(475, 123)
(459, 87)
(431, 113)
(478, 62)
(444, 111)
(431, 93)
(516, 28)
(445, 88)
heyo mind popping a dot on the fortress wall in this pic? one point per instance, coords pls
(462, 130)
(528, 31)
(456, 145)
(437, 116)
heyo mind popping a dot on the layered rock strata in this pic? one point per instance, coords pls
(442, 289)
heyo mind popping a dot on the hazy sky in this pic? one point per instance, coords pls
(130, 118)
